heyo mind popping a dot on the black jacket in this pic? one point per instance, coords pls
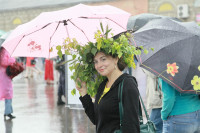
(105, 115)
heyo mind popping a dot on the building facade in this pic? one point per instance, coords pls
(13, 15)
(186, 10)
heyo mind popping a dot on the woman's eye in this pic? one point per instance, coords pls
(103, 59)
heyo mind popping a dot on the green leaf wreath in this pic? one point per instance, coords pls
(82, 64)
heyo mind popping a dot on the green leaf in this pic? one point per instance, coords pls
(146, 51)
(107, 31)
(86, 66)
(94, 51)
(59, 53)
(58, 47)
(152, 49)
(73, 56)
(141, 47)
(120, 54)
(79, 84)
(101, 27)
(71, 68)
(67, 52)
(73, 92)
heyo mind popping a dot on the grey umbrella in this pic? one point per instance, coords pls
(1, 41)
(3, 37)
(176, 55)
(138, 21)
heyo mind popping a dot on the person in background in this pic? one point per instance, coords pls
(49, 74)
(104, 112)
(61, 84)
(30, 67)
(180, 112)
(6, 88)
(154, 100)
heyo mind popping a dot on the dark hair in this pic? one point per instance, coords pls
(121, 64)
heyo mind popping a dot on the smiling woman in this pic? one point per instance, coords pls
(97, 72)
(83, 65)
(104, 112)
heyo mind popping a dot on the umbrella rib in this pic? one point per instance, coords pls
(52, 36)
(29, 34)
(80, 30)
(115, 23)
(104, 18)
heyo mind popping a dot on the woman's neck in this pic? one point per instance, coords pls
(112, 77)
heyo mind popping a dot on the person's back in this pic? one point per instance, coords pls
(180, 112)
(154, 100)
(60, 67)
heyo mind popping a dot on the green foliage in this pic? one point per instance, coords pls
(82, 56)
(73, 92)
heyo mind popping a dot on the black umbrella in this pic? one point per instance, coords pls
(176, 55)
(138, 21)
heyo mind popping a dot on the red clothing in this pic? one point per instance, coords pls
(49, 70)
(28, 61)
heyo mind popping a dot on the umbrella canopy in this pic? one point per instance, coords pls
(49, 29)
(138, 21)
(176, 55)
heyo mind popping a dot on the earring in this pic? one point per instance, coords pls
(115, 66)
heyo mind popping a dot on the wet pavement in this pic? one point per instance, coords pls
(36, 110)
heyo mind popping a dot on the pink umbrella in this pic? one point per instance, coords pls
(49, 29)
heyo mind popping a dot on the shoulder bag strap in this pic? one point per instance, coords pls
(145, 111)
(121, 110)
(120, 90)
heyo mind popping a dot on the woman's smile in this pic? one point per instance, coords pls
(101, 70)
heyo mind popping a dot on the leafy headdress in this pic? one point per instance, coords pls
(82, 56)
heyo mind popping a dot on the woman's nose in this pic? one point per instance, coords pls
(98, 65)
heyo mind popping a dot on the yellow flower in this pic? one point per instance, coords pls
(199, 67)
(172, 69)
(196, 82)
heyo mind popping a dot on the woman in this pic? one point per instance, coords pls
(6, 88)
(49, 74)
(29, 67)
(180, 112)
(104, 112)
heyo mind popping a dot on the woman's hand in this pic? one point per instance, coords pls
(82, 89)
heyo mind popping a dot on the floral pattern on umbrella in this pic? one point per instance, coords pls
(196, 82)
(172, 69)
(32, 46)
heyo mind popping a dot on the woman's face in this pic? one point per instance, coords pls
(104, 64)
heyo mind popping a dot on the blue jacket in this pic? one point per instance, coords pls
(175, 103)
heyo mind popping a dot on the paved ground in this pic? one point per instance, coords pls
(35, 107)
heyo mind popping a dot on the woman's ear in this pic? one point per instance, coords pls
(116, 60)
